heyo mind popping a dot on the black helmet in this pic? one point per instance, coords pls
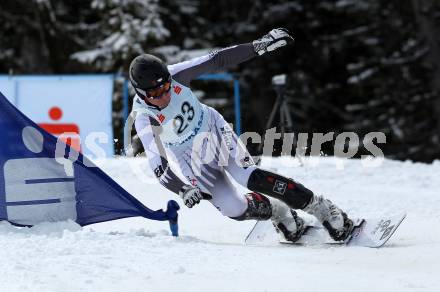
(148, 72)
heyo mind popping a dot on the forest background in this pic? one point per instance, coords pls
(356, 66)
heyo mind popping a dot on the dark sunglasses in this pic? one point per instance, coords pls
(156, 93)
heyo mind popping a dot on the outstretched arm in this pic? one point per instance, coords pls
(215, 61)
(225, 58)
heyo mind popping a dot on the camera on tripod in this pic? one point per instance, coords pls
(279, 80)
(280, 108)
(279, 83)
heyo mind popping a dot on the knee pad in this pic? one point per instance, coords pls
(259, 208)
(294, 194)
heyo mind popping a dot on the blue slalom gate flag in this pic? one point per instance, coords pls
(44, 180)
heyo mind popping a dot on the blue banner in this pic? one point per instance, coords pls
(56, 104)
(43, 179)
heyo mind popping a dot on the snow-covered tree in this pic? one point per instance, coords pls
(357, 65)
(123, 29)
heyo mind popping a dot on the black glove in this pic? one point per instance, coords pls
(276, 38)
(190, 195)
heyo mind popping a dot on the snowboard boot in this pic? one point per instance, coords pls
(338, 225)
(286, 221)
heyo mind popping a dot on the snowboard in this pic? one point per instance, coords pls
(374, 232)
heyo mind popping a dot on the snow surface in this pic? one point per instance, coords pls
(138, 254)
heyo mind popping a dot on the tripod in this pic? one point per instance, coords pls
(281, 106)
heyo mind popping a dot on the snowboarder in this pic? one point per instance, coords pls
(169, 120)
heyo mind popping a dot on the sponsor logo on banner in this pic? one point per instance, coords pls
(39, 184)
(76, 109)
(67, 132)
